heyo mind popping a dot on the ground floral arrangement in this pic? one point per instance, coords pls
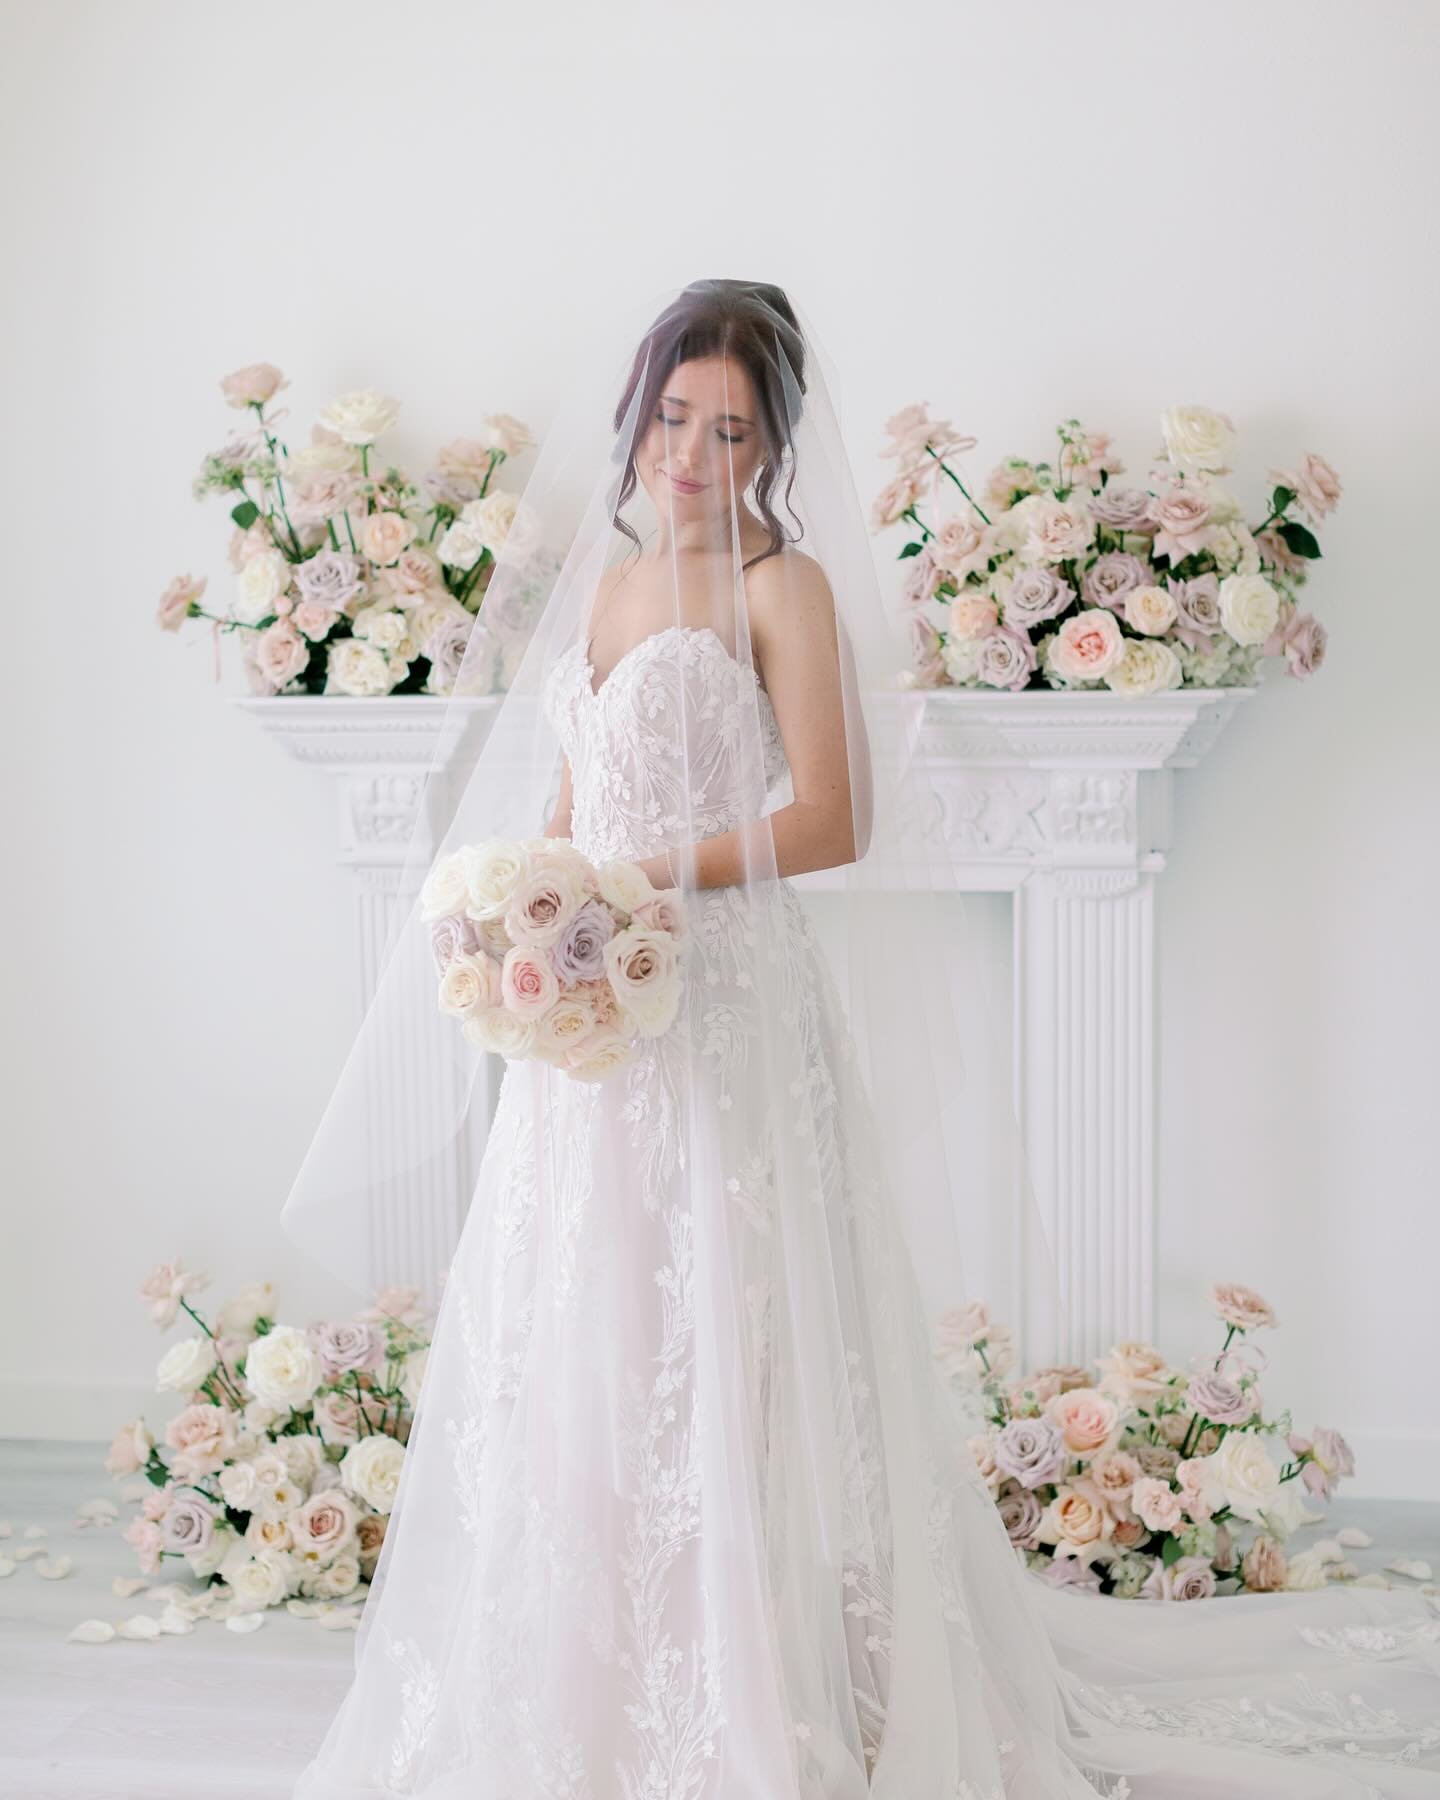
(274, 1482)
(355, 579)
(1058, 576)
(1144, 1481)
(544, 956)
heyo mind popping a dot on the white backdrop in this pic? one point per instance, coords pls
(1017, 214)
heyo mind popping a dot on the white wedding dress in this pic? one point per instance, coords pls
(706, 1526)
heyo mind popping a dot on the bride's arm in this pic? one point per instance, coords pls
(559, 822)
(793, 637)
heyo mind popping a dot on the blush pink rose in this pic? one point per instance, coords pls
(1087, 646)
(1181, 516)
(1088, 1420)
(281, 652)
(1156, 1504)
(528, 983)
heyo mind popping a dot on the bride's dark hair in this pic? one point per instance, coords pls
(753, 322)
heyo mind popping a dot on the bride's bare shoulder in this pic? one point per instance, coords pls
(789, 587)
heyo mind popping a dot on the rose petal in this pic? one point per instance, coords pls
(251, 1621)
(139, 1625)
(135, 1490)
(7, 1566)
(26, 1551)
(1413, 1566)
(36, 1531)
(342, 1619)
(101, 1508)
(91, 1631)
(173, 1621)
(6, 1529)
(126, 1585)
(57, 1570)
(1353, 1538)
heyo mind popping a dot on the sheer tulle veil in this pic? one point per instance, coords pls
(689, 1508)
(912, 956)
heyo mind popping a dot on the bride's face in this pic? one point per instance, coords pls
(704, 441)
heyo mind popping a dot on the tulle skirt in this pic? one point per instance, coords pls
(688, 1514)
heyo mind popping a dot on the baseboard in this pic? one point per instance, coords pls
(1389, 1465)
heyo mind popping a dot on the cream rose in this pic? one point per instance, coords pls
(360, 416)
(355, 667)
(1076, 1520)
(495, 870)
(259, 586)
(325, 1523)
(258, 1581)
(641, 965)
(469, 985)
(601, 1054)
(1058, 530)
(544, 901)
(1156, 1504)
(1146, 666)
(1149, 609)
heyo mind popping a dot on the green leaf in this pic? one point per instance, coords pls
(1299, 538)
(245, 514)
(1281, 498)
(910, 550)
(1172, 1552)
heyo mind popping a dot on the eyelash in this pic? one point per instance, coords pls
(723, 438)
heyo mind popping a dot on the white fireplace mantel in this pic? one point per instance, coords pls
(1062, 800)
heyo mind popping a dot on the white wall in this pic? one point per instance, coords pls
(1015, 213)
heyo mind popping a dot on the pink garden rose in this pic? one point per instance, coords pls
(175, 603)
(164, 1288)
(253, 385)
(962, 545)
(972, 616)
(1087, 646)
(1191, 1578)
(528, 982)
(1156, 1504)
(1088, 1420)
(203, 1439)
(144, 1536)
(1314, 483)
(281, 653)
(1241, 1306)
(1264, 1566)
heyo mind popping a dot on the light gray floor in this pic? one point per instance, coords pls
(216, 1713)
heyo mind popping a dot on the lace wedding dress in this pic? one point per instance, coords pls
(706, 1526)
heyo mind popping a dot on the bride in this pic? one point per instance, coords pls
(688, 1509)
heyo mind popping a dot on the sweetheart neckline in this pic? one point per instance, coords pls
(664, 631)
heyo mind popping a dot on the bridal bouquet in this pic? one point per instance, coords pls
(274, 1481)
(1057, 575)
(1141, 1480)
(543, 955)
(351, 578)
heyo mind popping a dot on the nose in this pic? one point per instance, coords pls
(684, 445)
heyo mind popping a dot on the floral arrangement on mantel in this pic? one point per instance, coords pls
(353, 579)
(274, 1483)
(1058, 576)
(1144, 1481)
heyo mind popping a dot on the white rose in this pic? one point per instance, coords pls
(355, 667)
(381, 626)
(504, 432)
(495, 869)
(239, 1486)
(961, 658)
(491, 519)
(412, 1374)
(1249, 608)
(335, 1579)
(259, 1581)
(207, 1562)
(185, 1365)
(371, 1470)
(460, 546)
(1146, 667)
(446, 886)
(624, 885)
(260, 584)
(1234, 549)
(303, 1454)
(283, 1368)
(469, 985)
(360, 416)
(1246, 1474)
(499, 1032)
(1197, 438)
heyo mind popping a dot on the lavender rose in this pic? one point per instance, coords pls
(1005, 659)
(1197, 608)
(1035, 594)
(1221, 1401)
(580, 953)
(1030, 1451)
(189, 1521)
(345, 1345)
(1123, 509)
(330, 577)
(1111, 576)
(1191, 1578)
(1020, 1513)
(451, 937)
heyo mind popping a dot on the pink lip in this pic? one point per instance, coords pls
(685, 487)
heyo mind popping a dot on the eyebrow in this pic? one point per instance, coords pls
(675, 400)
